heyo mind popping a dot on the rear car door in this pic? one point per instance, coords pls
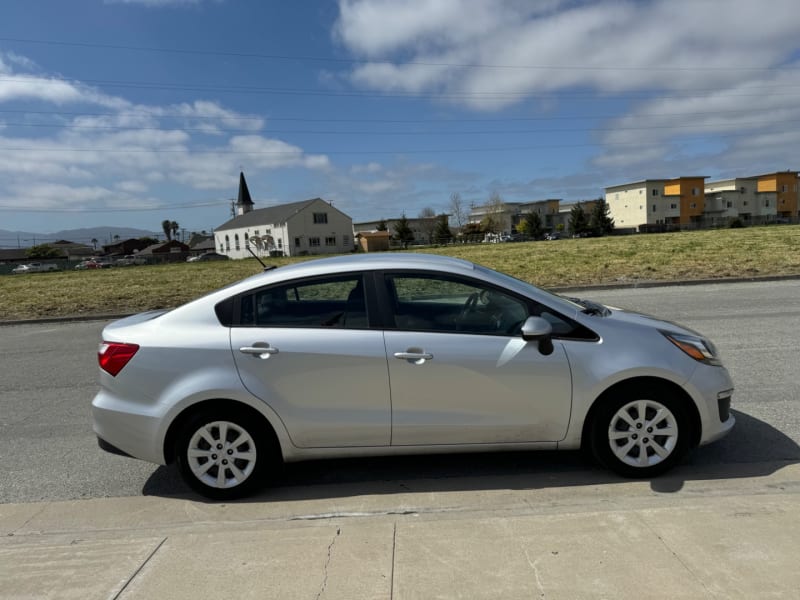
(307, 350)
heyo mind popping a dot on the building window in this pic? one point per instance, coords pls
(766, 202)
(313, 242)
(695, 192)
(744, 203)
(784, 188)
(246, 241)
(320, 218)
(255, 232)
(280, 243)
(297, 242)
(640, 192)
(236, 241)
(227, 243)
(730, 204)
(330, 241)
(221, 248)
(654, 192)
(693, 205)
(654, 208)
(345, 240)
(673, 206)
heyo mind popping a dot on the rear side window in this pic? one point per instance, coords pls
(331, 302)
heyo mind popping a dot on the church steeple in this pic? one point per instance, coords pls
(244, 204)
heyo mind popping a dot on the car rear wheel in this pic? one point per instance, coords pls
(224, 456)
(640, 433)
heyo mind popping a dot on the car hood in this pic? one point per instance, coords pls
(643, 320)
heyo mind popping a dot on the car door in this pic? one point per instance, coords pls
(460, 371)
(306, 349)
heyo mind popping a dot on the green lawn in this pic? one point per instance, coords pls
(755, 251)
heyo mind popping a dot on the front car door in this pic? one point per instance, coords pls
(306, 349)
(460, 371)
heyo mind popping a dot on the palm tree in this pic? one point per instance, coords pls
(94, 243)
(166, 225)
(174, 227)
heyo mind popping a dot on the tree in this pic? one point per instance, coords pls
(600, 221)
(175, 228)
(578, 223)
(94, 243)
(457, 210)
(402, 232)
(442, 234)
(381, 226)
(116, 237)
(495, 210)
(166, 225)
(531, 225)
(43, 251)
(428, 223)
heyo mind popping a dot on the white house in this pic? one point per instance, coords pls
(295, 229)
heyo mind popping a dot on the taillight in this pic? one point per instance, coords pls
(113, 356)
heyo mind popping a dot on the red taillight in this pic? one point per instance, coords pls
(113, 356)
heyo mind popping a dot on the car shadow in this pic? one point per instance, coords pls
(753, 449)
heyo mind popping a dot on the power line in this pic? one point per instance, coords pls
(112, 210)
(354, 61)
(368, 152)
(256, 90)
(737, 124)
(369, 120)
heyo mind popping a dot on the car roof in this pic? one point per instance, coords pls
(376, 261)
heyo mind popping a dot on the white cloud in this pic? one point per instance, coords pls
(608, 46)
(135, 145)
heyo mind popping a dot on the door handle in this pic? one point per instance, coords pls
(259, 351)
(417, 358)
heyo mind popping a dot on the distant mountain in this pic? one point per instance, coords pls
(103, 235)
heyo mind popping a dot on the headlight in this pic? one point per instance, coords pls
(698, 348)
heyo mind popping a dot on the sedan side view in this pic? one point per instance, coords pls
(388, 354)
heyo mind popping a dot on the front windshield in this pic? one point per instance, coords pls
(554, 300)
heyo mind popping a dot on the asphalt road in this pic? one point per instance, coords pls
(48, 377)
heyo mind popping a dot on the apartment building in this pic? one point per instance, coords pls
(656, 202)
(739, 198)
(508, 215)
(784, 185)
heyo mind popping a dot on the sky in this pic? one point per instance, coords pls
(130, 112)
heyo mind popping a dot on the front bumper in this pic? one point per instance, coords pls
(712, 389)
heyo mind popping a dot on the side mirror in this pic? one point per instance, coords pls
(537, 329)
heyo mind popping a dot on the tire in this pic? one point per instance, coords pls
(225, 455)
(640, 433)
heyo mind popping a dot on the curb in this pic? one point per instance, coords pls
(577, 288)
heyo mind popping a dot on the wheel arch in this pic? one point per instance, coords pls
(639, 383)
(220, 404)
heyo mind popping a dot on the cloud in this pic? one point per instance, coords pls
(529, 48)
(137, 145)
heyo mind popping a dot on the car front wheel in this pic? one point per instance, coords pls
(223, 456)
(640, 434)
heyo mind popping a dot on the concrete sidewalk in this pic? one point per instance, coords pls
(726, 538)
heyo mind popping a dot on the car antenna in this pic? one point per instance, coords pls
(266, 267)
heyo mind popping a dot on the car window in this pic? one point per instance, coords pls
(452, 305)
(335, 302)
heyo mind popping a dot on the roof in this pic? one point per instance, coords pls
(244, 193)
(279, 213)
(664, 180)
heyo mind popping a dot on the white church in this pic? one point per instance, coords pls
(295, 229)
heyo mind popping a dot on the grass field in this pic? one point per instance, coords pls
(756, 251)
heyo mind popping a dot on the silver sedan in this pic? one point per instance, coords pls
(398, 354)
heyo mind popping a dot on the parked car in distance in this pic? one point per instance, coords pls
(34, 267)
(207, 257)
(552, 236)
(129, 260)
(386, 354)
